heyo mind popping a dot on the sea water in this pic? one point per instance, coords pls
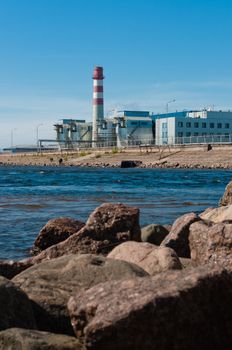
(30, 196)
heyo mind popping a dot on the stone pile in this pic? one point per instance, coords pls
(108, 284)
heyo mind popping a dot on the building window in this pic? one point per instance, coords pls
(180, 134)
(219, 125)
(227, 125)
(204, 134)
(203, 125)
(180, 124)
(188, 134)
(164, 125)
(211, 125)
(195, 134)
(188, 125)
(134, 123)
(196, 125)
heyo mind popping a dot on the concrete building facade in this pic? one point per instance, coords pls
(195, 127)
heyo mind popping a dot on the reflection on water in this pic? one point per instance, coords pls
(31, 196)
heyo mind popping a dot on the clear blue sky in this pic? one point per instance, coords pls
(152, 51)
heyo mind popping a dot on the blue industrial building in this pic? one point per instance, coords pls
(128, 128)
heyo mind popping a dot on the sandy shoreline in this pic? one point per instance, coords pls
(219, 157)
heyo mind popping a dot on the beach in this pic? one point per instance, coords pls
(219, 157)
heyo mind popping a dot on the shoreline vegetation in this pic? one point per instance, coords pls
(194, 157)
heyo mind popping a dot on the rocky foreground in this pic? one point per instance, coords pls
(108, 284)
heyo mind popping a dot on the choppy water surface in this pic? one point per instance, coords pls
(30, 196)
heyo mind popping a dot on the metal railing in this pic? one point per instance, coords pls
(136, 143)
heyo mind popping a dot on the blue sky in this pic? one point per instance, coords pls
(152, 51)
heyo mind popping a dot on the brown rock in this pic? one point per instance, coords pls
(16, 309)
(10, 268)
(227, 196)
(187, 263)
(108, 226)
(211, 242)
(177, 238)
(27, 339)
(188, 309)
(149, 257)
(56, 231)
(50, 284)
(218, 214)
(153, 233)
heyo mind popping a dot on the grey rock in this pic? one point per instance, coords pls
(149, 257)
(154, 234)
(50, 284)
(178, 237)
(16, 309)
(27, 339)
(188, 309)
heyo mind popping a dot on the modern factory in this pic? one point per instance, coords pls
(133, 128)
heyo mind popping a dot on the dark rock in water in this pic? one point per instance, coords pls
(10, 268)
(56, 231)
(130, 163)
(227, 196)
(149, 257)
(188, 309)
(153, 233)
(50, 284)
(16, 309)
(210, 242)
(177, 238)
(27, 339)
(108, 226)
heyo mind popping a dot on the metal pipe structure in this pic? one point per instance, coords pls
(98, 103)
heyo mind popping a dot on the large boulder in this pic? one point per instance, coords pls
(27, 339)
(10, 268)
(108, 226)
(154, 234)
(188, 309)
(218, 214)
(16, 309)
(227, 196)
(151, 258)
(50, 284)
(211, 242)
(178, 237)
(56, 231)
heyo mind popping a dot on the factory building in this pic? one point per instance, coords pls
(70, 133)
(131, 128)
(122, 129)
(193, 127)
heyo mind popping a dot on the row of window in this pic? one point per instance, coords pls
(188, 134)
(203, 125)
(138, 123)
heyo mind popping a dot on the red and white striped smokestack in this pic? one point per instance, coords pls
(98, 101)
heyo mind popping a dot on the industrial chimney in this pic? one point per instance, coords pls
(98, 102)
